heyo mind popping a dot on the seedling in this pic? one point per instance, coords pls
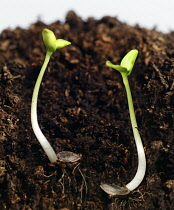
(51, 44)
(125, 68)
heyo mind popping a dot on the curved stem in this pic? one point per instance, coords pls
(140, 150)
(40, 136)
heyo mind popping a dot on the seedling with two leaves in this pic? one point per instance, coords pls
(125, 69)
(51, 44)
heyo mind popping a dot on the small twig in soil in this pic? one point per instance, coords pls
(163, 81)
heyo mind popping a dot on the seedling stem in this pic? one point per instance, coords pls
(140, 150)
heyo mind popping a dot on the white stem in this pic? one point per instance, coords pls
(140, 150)
(136, 181)
(40, 136)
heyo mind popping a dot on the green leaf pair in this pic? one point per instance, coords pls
(126, 64)
(51, 43)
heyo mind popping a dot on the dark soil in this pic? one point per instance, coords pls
(82, 108)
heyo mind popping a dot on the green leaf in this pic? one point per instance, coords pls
(60, 43)
(119, 68)
(129, 60)
(49, 40)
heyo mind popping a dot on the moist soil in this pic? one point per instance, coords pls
(82, 108)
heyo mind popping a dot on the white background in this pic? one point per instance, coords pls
(146, 13)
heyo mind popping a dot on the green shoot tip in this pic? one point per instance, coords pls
(126, 64)
(51, 43)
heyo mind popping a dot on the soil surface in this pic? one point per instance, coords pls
(82, 108)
